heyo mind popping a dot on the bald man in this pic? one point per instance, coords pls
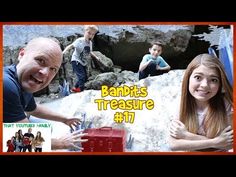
(39, 62)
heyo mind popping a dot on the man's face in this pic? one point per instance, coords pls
(38, 64)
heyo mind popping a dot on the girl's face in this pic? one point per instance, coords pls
(204, 83)
(16, 134)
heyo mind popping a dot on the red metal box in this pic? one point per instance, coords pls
(105, 139)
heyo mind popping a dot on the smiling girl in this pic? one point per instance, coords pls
(206, 108)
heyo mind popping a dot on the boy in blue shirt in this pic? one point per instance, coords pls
(153, 63)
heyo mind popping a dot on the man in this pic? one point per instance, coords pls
(38, 63)
(27, 140)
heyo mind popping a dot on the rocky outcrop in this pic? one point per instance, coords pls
(119, 47)
(126, 45)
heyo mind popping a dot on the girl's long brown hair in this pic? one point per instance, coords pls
(216, 116)
(39, 137)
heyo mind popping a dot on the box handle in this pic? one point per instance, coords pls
(105, 128)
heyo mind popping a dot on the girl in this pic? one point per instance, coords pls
(38, 142)
(18, 142)
(10, 144)
(205, 116)
(21, 136)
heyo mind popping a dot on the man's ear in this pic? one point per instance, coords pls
(21, 53)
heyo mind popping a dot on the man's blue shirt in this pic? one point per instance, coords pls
(15, 100)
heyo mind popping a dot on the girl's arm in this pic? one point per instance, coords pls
(189, 145)
(179, 131)
(224, 141)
